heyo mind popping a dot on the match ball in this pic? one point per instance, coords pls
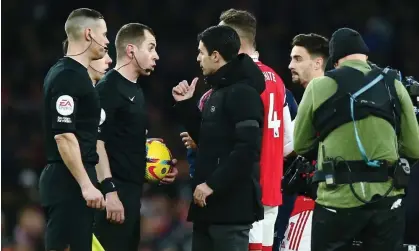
(158, 162)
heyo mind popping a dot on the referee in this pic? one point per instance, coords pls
(122, 138)
(71, 116)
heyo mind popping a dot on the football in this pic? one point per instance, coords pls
(158, 162)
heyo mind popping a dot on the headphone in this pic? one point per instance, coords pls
(91, 41)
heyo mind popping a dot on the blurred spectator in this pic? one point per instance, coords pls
(29, 232)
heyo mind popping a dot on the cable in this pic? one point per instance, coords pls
(138, 64)
(91, 41)
(353, 190)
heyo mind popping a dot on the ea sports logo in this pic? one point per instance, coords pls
(65, 105)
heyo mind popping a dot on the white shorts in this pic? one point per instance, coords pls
(262, 233)
(298, 233)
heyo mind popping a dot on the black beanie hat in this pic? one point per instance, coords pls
(345, 42)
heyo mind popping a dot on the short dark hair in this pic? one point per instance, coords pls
(132, 33)
(65, 46)
(78, 17)
(223, 39)
(86, 13)
(315, 44)
(242, 20)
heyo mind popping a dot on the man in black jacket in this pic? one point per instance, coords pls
(227, 198)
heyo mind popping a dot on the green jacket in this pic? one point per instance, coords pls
(376, 134)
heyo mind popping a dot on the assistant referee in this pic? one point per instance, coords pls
(71, 116)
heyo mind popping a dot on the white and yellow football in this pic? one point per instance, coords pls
(158, 162)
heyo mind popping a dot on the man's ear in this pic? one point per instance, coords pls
(215, 56)
(318, 63)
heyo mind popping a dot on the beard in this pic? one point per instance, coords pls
(297, 79)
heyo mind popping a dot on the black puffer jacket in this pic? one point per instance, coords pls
(229, 135)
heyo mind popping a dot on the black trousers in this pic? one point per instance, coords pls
(69, 220)
(380, 229)
(412, 207)
(220, 237)
(125, 236)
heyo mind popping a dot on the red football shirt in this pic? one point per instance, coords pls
(272, 160)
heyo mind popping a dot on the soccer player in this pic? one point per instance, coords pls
(71, 116)
(277, 131)
(122, 138)
(97, 68)
(309, 55)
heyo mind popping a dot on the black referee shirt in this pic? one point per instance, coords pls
(123, 126)
(71, 104)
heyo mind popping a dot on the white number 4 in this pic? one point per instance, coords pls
(273, 121)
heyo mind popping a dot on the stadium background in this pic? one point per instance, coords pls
(32, 33)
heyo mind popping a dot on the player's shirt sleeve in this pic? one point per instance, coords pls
(288, 131)
(304, 132)
(409, 134)
(64, 103)
(109, 102)
(244, 106)
(292, 104)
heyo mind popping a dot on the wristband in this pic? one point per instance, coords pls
(108, 185)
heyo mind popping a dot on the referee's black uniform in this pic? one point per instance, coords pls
(124, 134)
(71, 105)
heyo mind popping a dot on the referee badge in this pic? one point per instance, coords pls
(65, 105)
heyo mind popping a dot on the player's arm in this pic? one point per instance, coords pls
(304, 132)
(69, 149)
(292, 104)
(245, 109)
(288, 130)
(409, 133)
(64, 108)
(109, 102)
(103, 169)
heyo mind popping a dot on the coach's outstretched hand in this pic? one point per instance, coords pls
(93, 197)
(171, 176)
(114, 208)
(183, 90)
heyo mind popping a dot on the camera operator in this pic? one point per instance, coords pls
(308, 60)
(412, 193)
(365, 118)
